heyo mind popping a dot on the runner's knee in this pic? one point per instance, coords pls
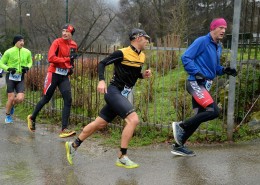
(11, 98)
(19, 99)
(45, 99)
(95, 125)
(67, 98)
(132, 119)
(100, 123)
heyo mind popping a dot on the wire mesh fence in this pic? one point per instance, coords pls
(163, 98)
(158, 101)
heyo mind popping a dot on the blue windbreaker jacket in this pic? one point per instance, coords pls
(203, 56)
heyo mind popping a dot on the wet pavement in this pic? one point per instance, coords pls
(39, 159)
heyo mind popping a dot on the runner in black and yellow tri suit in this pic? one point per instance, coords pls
(128, 64)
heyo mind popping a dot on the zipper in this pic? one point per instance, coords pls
(19, 59)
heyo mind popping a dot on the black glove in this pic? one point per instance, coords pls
(1, 75)
(72, 62)
(230, 71)
(73, 54)
(25, 69)
(200, 77)
(11, 70)
(70, 71)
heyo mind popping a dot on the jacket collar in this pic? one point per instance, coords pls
(135, 50)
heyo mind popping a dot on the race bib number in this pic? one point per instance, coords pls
(208, 84)
(61, 71)
(15, 77)
(126, 91)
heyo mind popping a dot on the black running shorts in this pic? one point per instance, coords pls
(117, 104)
(14, 86)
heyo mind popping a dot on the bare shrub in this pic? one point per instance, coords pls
(164, 59)
(34, 79)
(87, 67)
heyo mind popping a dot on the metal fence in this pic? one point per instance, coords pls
(159, 100)
(163, 98)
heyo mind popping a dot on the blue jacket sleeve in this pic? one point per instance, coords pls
(194, 50)
(219, 69)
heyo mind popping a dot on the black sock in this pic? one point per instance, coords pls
(123, 151)
(77, 143)
(8, 114)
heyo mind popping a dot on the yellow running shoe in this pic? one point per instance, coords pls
(126, 162)
(30, 123)
(70, 151)
(67, 133)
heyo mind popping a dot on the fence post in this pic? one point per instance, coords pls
(233, 64)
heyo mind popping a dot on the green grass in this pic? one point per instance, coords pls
(147, 135)
(244, 54)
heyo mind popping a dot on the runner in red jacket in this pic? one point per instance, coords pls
(61, 58)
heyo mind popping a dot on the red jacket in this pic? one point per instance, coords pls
(59, 54)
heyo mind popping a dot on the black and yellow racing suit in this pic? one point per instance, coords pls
(128, 64)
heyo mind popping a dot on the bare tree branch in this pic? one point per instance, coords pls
(105, 27)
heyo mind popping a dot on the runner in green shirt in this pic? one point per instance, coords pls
(16, 61)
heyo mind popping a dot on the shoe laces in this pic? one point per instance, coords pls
(8, 116)
(186, 149)
(72, 150)
(180, 130)
(125, 160)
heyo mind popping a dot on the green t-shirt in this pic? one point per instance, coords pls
(16, 58)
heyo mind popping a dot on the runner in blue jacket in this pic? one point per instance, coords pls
(202, 62)
(203, 56)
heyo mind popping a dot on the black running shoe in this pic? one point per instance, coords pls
(182, 151)
(178, 133)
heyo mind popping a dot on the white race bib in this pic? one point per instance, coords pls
(126, 91)
(15, 77)
(208, 84)
(61, 71)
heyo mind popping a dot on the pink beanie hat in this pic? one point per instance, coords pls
(217, 23)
